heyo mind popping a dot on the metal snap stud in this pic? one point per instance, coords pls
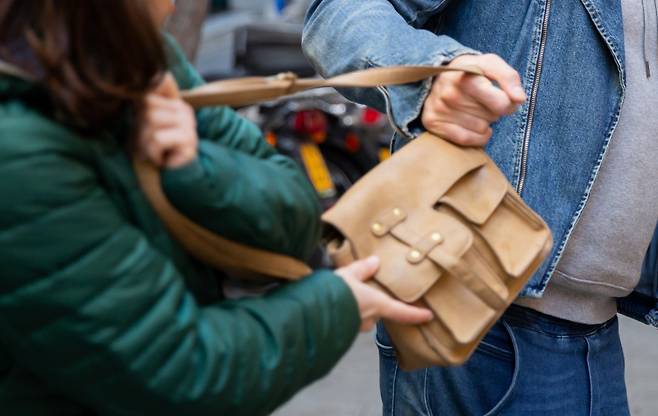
(436, 237)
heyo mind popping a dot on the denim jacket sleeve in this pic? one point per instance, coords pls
(347, 35)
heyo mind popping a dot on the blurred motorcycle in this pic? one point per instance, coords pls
(334, 140)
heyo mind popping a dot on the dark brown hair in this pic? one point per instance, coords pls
(97, 58)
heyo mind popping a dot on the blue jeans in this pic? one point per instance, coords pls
(528, 364)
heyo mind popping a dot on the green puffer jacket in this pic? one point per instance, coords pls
(101, 312)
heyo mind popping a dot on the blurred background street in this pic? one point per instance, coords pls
(352, 389)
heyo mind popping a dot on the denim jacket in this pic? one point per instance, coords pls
(570, 55)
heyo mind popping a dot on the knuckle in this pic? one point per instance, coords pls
(514, 76)
(479, 139)
(153, 151)
(490, 58)
(159, 138)
(459, 137)
(438, 107)
(511, 109)
(183, 106)
(451, 96)
(469, 141)
(437, 85)
(434, 126)
(500, 106)
(480, 126)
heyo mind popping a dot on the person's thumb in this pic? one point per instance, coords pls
(362, 270)
(168, 87)
(496, 69)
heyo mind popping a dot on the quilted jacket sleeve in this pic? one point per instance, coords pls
(240, 187)
(98, 314)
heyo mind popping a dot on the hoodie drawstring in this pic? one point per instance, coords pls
(647, 67)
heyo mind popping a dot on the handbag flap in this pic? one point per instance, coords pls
(428, 235)
(515, 234)
(416, 176)
(477, 195)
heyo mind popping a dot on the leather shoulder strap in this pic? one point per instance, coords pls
(208, 247)
(246, 91)
(218, 251)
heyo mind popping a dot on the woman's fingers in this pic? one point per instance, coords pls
(374, 304)
(167, 147)
(154, 101)
(167, 132)
(403, 313)
(360, 270)
(161, 118)
(167, 87)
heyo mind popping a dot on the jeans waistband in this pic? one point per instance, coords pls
(523, 317)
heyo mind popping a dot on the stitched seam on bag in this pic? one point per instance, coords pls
(516, 206)
(493, 268)
(590, 282)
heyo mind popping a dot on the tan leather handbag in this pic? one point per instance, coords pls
(451, 233)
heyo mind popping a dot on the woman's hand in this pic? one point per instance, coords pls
(167, 135)
(461, 107)
(375, 304)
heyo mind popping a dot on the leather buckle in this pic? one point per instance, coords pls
(290, 78)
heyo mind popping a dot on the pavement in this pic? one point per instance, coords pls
(351, 389)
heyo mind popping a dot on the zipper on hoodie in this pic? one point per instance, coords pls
(532, 103)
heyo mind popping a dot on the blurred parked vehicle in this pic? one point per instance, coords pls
(336, 141)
